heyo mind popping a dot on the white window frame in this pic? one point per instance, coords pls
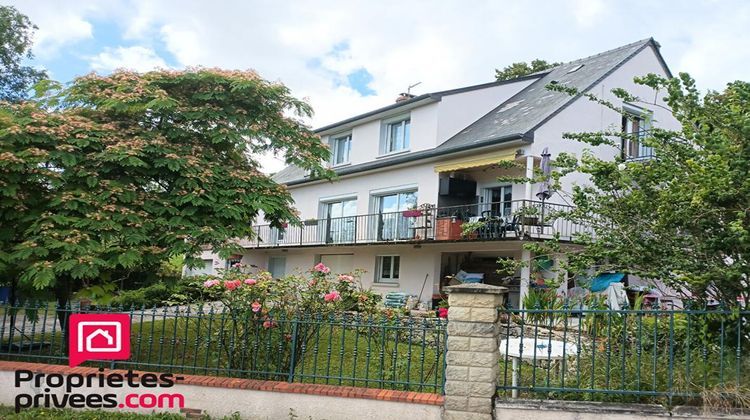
(645, 118)
(332, 143)
(379, 269)
(486, 198)
(386, 140)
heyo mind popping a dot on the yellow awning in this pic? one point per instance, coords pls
(476, 161)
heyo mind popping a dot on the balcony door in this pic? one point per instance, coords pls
(392, 224)
(340, 220)
(499, 201)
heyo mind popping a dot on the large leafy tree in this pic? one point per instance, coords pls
(15, 45)
(126, 170)
(682, 217)
(522, 69)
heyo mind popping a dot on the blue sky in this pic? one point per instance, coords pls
(348, 56)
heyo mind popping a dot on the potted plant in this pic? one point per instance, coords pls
(530, 215)
(470, 230)
(310, 222)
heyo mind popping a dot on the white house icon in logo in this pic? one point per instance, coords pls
(105, 330)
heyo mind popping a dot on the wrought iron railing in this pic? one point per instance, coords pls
(501, 220)
(350, 349)
(658, 356)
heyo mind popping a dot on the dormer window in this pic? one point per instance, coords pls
(396, 135)
(341, 147)
(636, 122)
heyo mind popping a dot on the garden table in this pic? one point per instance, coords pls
(538, 349)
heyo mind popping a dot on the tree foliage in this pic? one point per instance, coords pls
(682, 217)
(522, 69)
(127, 170)
(15, 45)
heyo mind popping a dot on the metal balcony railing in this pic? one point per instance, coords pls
(515, 219)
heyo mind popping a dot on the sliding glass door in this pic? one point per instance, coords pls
(393, 224)
(340, 220)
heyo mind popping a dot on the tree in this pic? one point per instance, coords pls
(682, 217)
(15, 45)
(522, 69)
(128, 170)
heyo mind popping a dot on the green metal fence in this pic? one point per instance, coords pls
(344, 349)
(661, 356)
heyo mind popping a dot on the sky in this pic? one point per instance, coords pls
(348, 56)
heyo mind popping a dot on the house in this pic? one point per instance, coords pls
(411, 173)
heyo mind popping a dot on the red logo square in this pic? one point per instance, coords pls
(99, 337)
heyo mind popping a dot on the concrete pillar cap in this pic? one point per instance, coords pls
(476, 288)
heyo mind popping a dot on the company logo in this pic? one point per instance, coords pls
(98, 337)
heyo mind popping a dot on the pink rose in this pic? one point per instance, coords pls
(256, 306)
(250, 282)
(321, 268)
(232, 284)
(210, 283)
(332, 296)
(268, 324)
(442, 312)
(345, 277)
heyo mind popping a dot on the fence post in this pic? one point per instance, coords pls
(473, 357)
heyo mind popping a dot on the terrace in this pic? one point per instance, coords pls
(495, 221)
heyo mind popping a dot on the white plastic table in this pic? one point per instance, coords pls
(539, 349)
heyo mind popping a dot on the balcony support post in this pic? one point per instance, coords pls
(529, 176)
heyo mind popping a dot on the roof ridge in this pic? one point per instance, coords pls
(610, 51)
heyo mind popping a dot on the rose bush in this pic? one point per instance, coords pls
(243, 290)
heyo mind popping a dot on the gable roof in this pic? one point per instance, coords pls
(427, 97)
(533, 106)
(516, 118)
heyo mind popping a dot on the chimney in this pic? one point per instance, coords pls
(404, 97)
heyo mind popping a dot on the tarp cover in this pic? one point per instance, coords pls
(602, 281)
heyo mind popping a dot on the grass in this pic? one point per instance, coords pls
(378, 355)
(642, 360)
(9, 413)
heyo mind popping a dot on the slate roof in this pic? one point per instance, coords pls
(534, 105)
(516, 118)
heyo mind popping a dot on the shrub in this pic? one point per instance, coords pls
(150, 296)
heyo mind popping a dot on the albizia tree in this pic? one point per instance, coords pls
(122, 171)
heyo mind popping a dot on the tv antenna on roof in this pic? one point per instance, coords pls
(408, 90)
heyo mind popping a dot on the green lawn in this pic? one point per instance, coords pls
(56, 414)
(379, 355)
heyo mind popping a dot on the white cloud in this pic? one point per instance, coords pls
(66, 30)
(442, 44)
(134, 58)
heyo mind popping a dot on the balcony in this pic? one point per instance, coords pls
(518, 219)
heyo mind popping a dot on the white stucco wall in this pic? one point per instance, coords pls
(431, 124)
(219, 402)
(422, 177)
(584, 115)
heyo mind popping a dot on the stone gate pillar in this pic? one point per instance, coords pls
(473, 357)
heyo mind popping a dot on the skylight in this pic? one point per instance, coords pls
(575, 69)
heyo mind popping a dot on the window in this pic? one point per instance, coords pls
(387, 270)
(396, 137)
(499, 201)
(233, 260)
(392, 224)
(277, 267)
(341, 147)
(635, 124)
(340, 220)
